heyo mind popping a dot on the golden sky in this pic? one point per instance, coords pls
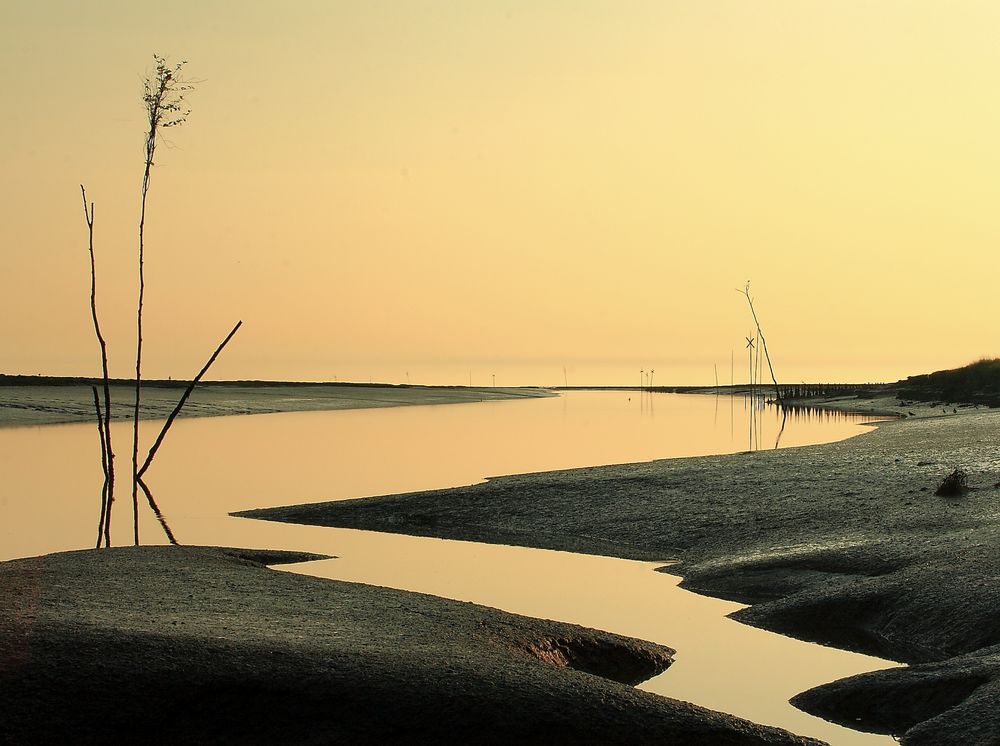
(437, 188)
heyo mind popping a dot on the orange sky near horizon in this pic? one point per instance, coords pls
(439, 188)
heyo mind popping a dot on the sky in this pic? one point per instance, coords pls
(544, 191)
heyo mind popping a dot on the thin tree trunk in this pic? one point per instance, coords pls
(154, 120)
(104, 467)
(109, 500)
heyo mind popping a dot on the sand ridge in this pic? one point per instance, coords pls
(843, 544)
(202, 645)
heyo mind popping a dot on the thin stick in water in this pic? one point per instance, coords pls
(104, 467)
(180, 404)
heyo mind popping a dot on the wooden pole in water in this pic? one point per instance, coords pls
(777, 389)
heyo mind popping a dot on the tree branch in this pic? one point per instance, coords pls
(109, 457)
(183, 399)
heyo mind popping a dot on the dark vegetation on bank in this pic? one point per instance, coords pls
(977, 383)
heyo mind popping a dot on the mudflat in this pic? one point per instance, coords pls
(845, 544)
(49, 403)
(202, 645)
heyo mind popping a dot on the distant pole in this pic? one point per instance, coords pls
(651, 372)
(494, 380)
(407, 378)
(777, 389)
(565, 378)
(642, 380)
(716, 379)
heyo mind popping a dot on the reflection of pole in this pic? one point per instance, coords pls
(757, 367)
(784, 416)
(732, 395)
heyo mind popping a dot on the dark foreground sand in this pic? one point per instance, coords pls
(844, 544)
(195, 645)
(40, 404)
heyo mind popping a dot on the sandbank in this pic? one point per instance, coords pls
(844, 544)
(201, 645)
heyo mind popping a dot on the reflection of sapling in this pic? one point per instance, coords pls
(954, 485)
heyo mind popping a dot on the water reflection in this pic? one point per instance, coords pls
(214, 466)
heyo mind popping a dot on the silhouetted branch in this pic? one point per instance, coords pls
(183, 399)
(108, 491)
(104, 467)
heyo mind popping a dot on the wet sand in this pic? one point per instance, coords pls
(46, 403)
(200, 645)
(843, 544)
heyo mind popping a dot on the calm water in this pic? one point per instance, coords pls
(210, 467)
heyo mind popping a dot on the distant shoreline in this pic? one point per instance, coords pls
(45, 401)
(9, 379)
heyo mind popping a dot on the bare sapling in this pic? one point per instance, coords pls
(163, 97)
